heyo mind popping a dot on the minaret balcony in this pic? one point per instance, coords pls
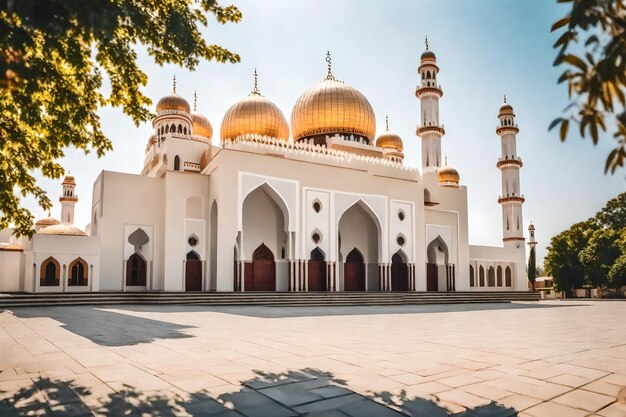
(509, 161)
(511, 198)
(501, 130)
(425, 90)
(421, 130)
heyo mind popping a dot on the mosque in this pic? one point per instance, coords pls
(320, 204)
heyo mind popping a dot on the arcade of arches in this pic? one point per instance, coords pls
(50, 273)
(493, 276)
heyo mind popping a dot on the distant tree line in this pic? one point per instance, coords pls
(592, 252)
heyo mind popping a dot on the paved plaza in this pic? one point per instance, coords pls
(545, 359)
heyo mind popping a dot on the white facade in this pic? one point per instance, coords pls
(327, 209)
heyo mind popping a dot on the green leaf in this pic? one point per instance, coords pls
(575, 61)
(559, 23)
(554, 123)
(564, 128)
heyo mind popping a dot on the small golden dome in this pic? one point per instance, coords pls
(506, 109)
(173, 102)
(254, 115)
(428, 56)
(69, 180)
(389, 139)
(333, 107)
(201, 125)
(47, 221)
(62, 229)
(448, 176)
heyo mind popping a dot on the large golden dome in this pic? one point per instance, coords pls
(333, 107)
(254, 115)
(173, 102)
(201, 125)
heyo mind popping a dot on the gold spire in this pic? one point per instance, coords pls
(386, 122)
(505, 98)
(426, 42)
(174, 85)
(255, 90)
(195, 100)
(330, 75)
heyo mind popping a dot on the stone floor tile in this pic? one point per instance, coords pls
(423, 390)
(616, 379)
(408, 379)
(584, 400)
(462, 398)
(460, 380)
(550, 409)
(602, 388)
(519, 402)
(613, 410)
(486, 391)
(570, 380)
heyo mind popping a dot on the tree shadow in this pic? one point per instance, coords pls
(107, 328)
(306, 392)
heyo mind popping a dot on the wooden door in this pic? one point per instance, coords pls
(248, 276)
(193, 275)
(354, 272)
(264, 275)
(431, 277)
(317, 276)
(399, 274)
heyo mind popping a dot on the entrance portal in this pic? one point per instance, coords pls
(399, 273)
(354, 272)
(260, 274)
(317, 271)
(432, 277)
(193, 272)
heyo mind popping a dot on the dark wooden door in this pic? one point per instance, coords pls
(431, 277)
(354, 272)
(263, 275)
(193, 275)
(317, 276)
(248, 276)
(399, 274)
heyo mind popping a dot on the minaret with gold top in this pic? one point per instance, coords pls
(68, 200)
(430, 130)
(509, 164)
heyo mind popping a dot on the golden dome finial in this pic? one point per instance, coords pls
(255, 90)
(387, 122)
(174, 85)
(426, 42)
(330, 75)
(195, 100)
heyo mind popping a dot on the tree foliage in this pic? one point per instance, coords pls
(54, 58)
(592, 252)
(592, 48)
(532, 267)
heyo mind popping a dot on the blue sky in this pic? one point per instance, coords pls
(485, 48)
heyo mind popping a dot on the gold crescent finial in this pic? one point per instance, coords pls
(174, 85)
(195, 100)
(426, 42)
(505, 98)
(255, 89)
(386, 122)
(329, 76)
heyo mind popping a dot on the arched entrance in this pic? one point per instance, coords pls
(437, 255)
(260, 274)
(193, 272)
(50, 273)
(399, 273)
(354, 272)
(136, 271)
(78, 273)
(317, 271)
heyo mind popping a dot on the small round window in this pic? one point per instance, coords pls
(401, 215)
(400, 240)
(317, 206)
(316, 237)
(193, 241)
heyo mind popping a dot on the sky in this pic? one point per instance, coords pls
(484, 48)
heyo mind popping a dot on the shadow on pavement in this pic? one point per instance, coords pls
(306, 392)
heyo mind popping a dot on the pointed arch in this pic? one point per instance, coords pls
(136, 271)
(317, 270)
(78, 273)
(262, 253)
(177, 163)
(50, 273)
(499, 276)
(437, 245)
(507, 277)
(354, 271)
(275, 196)
(471, 276)
(193, 256)
(481, 276)
(193, 272)
(399, 272)
(491, 277)
(317, 254)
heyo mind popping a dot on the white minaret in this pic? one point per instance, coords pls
(429, 93)
(68, 199)
(532, 243)
(509, 164)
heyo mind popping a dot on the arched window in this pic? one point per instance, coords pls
(136, 270)
(507, 277)
(185, 130)
(481, 274)
(491, 277)
(180, 128)
(317, 255)
(471, 276)
(193, 256)
(176, 163)
(499, 274)
(423, 75)
(78, 273)
(50, 273)
(428, 75)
